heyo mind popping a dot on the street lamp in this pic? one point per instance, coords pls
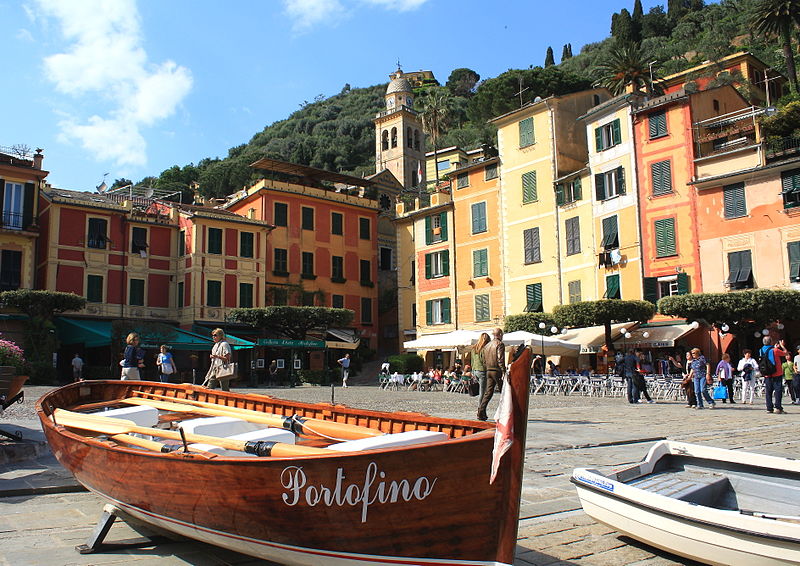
(542, 326)
(650, 67)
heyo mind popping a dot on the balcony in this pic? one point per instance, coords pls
(781, 148)
(12, 220)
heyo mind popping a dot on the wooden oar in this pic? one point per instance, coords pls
(298, 425)
(112, 426)
(153, 445)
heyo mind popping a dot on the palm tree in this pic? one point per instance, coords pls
(626, 64)
(779, 18)
(435, 117)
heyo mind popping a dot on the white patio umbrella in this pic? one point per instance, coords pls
(446, 340)
(552, 346)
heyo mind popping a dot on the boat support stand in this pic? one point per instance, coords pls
(104, 524)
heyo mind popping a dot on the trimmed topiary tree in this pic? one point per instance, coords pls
(529, 322)
(603, 312)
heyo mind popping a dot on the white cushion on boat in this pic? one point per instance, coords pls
(407, 438)
(142, 416)
(270, 434)
(219, 426)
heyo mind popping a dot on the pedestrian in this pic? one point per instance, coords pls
(494, 357)
(476, 361)
(345, 363)
(630, 366)
(724, 373)
(770, 364)
(748, 367)
(77, 368)
(385, 367)
(165, 363)
(132, 359)
(700, 373)
(687, 383)
(639, 376)
(788, 375)
(796, 380)
(220, 356)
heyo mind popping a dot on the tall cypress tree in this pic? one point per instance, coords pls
(636, 20)
(622, 27)
(569, 48)
(565, 53)
(549, 60)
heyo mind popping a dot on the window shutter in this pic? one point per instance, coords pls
(734, 201)
(620, 181)
(429, 312)
(537, 250)
(559, 194)
(443, 225)
(445, 262)
(576, 189)
(791, 181)
(428, 231)
(616, 134)
(662, 177)
(600, 186)
(27, 210)
(529, 187)
(475, 224)
(526, 132)
(734, 266)
(683, 283)
(794, 261)
(598, 139)
(569, 226)
(446, 311)
(527, 244)
(665, 237)
(428, 266)
(476, 260)
(650, 288)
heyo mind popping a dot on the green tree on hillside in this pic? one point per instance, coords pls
(462, 82)
(549, 59)
(780, 18)
(626, 65)
(622, 27)
(435, 117)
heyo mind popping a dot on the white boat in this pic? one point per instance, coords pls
(711, 505)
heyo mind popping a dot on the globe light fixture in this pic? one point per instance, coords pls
(765, 332)
(542, 325)
(553, 330)
(695, 325)
(725, 327)
(780, 326)
(757, 334)
(645, 334)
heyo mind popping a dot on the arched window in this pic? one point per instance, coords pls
(416, 140)
(394, 137)
(385, 140)
(409, 138)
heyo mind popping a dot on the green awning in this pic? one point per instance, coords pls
(90, 333)
(235, 342)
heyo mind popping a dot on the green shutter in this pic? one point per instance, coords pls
(27, 205)
(615, 131)
(576, 189)
(475, 224)
(620, 181)
(428, 231)
(662, 177)
(443, 226)
(650, 289)
(683, 283)
(600, 186)
(734, 267)
(446, 311)
(480, 263)
(526, 137)
(665, 237)
(794, 261)
(533, 297)
(612, 287)
(559, 194)
(598, 139)
(428, 312)
(610, 233)
(734, 200)
(657, 124)
(445, 263)
(529, 193)
(428, 266)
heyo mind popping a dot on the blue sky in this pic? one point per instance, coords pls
(131, 88)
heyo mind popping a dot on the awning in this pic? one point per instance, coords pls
(549, 345)
(592, 338)
(235, 342)
(345, 339)
(661, 336)
(446, 340)
(334, 345)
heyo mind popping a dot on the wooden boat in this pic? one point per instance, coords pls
(421, 504)
(711, 505)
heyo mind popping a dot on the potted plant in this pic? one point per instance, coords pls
(12, 356)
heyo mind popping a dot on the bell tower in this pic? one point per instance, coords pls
(399, 140)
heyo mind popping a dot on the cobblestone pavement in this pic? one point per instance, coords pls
(42, 521)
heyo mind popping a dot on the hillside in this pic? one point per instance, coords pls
(337, 133)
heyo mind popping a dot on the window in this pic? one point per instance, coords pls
(337, 223)
(490, 172)
(530, 242)
(214, 241)
(610, 184)
(337, 301)
(94, 288)
(337, 269)
(482, 313)
(365, 272)
(417, 138)
(462, 180)
(573, 229)
(213, 293)
(139, 241)
(740, 269)
(443, 165)
(661, 173)
(610, 233)
(308, 218)
(394, 137)
(612, 287)
(12, 208)
(568, 192)
(413, 278)
(246, 295)
(480, 263)
(307, 265)
(97, 237)
(437, 264)
(182, 242)
(533, 298)
(436, 228)
(478, 217)
(10, 270)
(179, 295)
(665, 237)
(574, 290)
(307, 298)
(409, 138)
(366, 310)
(529, 187)
(790, 181)
(526, 136)
(414, 314)
(437, 311)
(733, 198)
(364, 231)
(607, 135)
(656, 288)
(281, 214)
(136, 293)
(385, 140)
(385, 262)
(246, 244)
(281, 263)
(794, 261)
(657, 122)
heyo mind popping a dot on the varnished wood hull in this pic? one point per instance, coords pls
(428, 505)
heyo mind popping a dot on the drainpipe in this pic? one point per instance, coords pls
(639, 215)
(554, 164)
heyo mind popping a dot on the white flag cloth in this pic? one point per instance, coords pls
(503, 434)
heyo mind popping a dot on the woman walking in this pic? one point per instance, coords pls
(132, 359)
(220, 355)
(166, 364)
(687, 384)
(476, 361)
(700, 373)
(747, 368)
(724, 373)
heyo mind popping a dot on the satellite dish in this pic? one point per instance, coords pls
(148, 192)
(101, 188)
(537, 99)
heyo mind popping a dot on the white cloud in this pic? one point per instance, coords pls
(104, 59)
(24, 35)
(397, 5)
(309, 13)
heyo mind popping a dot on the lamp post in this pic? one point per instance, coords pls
(542, 326)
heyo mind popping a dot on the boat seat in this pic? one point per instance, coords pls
(407, 438)
(142, 416)
(219, 426)
(699, 490)
(269, 434)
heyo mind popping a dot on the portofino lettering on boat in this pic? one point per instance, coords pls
(374, 489)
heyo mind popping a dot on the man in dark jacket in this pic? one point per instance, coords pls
(494, 357)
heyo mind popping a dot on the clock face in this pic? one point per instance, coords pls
(409, 102)
(390, 103)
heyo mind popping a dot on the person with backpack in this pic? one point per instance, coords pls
(748, 367)
(770, 364)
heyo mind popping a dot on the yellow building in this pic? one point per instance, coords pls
(539, 144)
(447, 160)
(21, 177)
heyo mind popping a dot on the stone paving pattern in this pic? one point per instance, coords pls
(44, 514)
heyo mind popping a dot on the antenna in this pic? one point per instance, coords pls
(521, 90)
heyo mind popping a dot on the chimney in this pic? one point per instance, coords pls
(38, 158)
